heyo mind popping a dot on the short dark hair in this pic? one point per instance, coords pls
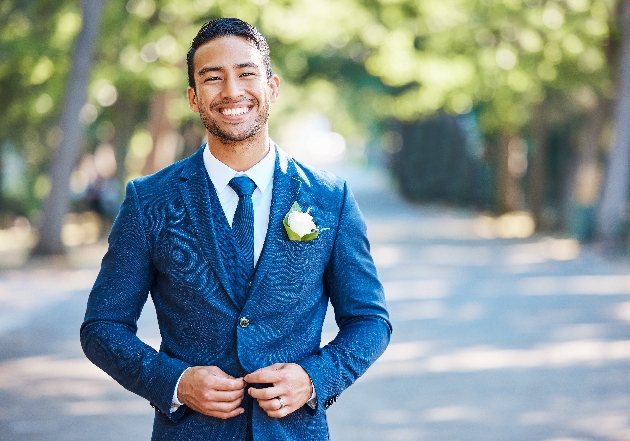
(222, 27)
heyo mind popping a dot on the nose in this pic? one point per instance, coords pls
(231, 87)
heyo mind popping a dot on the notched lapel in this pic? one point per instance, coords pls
(194, 190)
(286, 190)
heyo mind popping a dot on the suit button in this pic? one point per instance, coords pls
(243, 322)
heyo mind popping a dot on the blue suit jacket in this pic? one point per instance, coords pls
(163, 242)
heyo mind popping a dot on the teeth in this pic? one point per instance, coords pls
(235, 112)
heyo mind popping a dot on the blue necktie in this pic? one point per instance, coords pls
(243, 222)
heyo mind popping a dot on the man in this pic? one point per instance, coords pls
(240, 299)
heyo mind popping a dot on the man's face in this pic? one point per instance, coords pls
(232, 93)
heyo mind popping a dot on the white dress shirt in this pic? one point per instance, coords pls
(262, 175)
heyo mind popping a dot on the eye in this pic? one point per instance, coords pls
(209, 79)
(248, 74)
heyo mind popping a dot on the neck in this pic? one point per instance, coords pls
(240, 156)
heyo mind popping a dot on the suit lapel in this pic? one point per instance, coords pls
(286, 188)
(194, 189)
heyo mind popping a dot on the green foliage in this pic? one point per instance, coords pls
(359, 62)
(35, 41)
(503, 55)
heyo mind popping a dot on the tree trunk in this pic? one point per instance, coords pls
(124, 119)
(57, 204)
(537, 168)
(585, 184)
(510, 169)
(612, 209)
(165, 138)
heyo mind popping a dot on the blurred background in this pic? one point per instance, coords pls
(488, 145)
(503, 106)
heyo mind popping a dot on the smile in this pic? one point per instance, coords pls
(236, 111)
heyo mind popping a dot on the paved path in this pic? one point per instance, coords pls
(494, 339)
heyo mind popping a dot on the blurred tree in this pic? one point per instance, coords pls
(528, 68)
(58, 201)
(35, 37)
(613, 208)
(520, 71)
(434, 162)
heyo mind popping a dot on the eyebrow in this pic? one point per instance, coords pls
(206, 69)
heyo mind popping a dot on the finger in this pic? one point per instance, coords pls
(273, 404)
(225, 384)
(222, 406)
(213, 408)
(273, 408)
(267, 393)
(224, 379)
(278, 413)
(207, 407)
(222, 396)
(269, 374)
(225, 415)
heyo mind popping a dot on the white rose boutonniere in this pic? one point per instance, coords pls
(300, 225)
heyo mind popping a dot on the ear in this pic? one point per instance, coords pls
(274, 85)
(192, 100)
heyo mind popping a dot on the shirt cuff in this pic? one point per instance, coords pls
(312, 402)
(175, 404)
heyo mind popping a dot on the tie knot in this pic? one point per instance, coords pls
(243, 186)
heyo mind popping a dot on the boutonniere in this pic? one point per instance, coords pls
(300, 225)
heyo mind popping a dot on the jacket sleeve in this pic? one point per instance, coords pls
(108, 333)
(359, 304)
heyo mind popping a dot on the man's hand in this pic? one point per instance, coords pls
(289, 382)
(209, 390)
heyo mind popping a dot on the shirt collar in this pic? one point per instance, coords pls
(220, 174)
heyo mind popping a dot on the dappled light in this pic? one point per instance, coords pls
(545, 356)
(528, 333)
(311, 139)
(603, 285)
(510, 225)
(453, 413)
(17, 237)
(81, 229)
(486, 142)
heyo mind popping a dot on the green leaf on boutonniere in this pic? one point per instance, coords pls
(310, 236)
(295, 208)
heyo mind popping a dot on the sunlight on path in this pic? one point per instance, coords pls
(499, 335)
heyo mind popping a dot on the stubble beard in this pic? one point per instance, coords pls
(235, 138)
